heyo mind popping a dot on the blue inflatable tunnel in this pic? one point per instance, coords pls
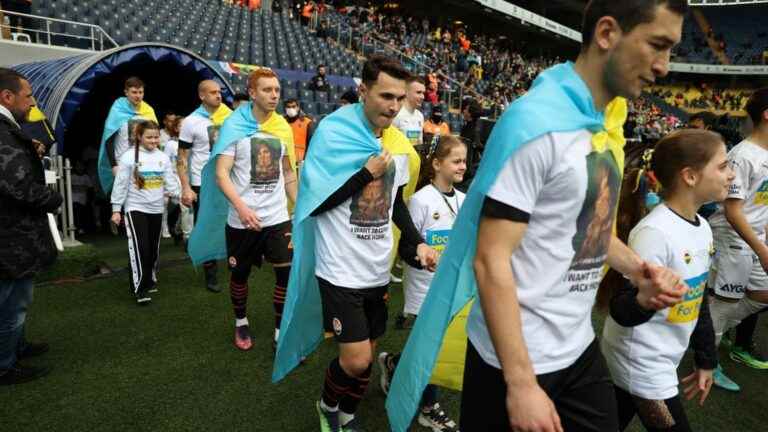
(75, 93)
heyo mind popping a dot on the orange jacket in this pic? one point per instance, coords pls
(300, 128)
(442, 129)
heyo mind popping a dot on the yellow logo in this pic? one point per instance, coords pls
(687, 257)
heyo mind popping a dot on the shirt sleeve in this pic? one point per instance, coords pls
(122, 183)
(418, 211)
(172, 186)
(236, 148)
(186, 134)
(650, 244)
(742, 170)
(524, 175)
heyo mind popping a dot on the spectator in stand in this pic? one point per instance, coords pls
(18, 22)
(319, 82)
(703, 120)
(436, 125)
(306, 12)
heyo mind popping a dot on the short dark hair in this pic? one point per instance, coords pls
(628, 13)
(350, 96)
(708, 118)
(473, 107)
(377, 64)
(169, 113)
(320, 66)
(133, 82)
(291, 101)
(757, 105)
(242, 97)
(11, 80)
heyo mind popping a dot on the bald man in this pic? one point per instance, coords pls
(196, 139)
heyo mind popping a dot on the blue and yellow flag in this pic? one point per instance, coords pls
(120, 113)
(340, 147)
(207, 241)
(559, 101)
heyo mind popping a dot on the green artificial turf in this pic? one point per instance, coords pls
(171, 366)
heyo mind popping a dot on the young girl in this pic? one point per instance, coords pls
(144, 176)
(433, 209)
(644, 347)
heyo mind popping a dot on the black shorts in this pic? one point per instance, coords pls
(582, 393)
(246, 248)
(354, 315)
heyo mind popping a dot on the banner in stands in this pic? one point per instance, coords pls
(547, 24)
(287, 74)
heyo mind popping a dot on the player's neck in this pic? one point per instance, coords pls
(442, 185)
(409, 108)
(210, 109)
(590, 69)
(261, 115)
(684, 204)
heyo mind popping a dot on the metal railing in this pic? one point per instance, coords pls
(54, 31)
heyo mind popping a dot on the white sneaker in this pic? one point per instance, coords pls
(437, 420)
(394, 278)
(384, 375)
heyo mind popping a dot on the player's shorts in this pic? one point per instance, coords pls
(736, 269)
(354, 315)
(246, 248)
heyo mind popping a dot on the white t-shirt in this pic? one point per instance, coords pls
(201, 133)
(258, 178)
(433, 214)
(570, 192)
(749, 162)
(643, 360)
(122, 140)
(164, 138)
(354, 240)
(159, 179)
(411, 125)
(172, 151)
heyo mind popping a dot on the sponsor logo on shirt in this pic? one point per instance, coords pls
(687, 257)
(688, 310)
(438, 239)
(413, 136)
(732, 288)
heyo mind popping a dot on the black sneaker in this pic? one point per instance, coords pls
(436, 419)
(352, 426)
(143, 299)
(211, 281)
(33, 350)
(19, 374)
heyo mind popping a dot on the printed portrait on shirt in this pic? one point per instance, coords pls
(370, 206)
(213, 135)
(265, 162)
(594, 226)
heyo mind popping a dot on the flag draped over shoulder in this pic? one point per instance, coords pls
(559, 101)
(119, 114)
(207, 241)
(340, 147)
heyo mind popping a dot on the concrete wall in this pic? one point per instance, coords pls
(12, 53)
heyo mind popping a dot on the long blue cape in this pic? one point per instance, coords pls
(207, 241)
(120, 112)
(558, 101)
(341, 146)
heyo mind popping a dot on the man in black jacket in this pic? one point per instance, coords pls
(27, 244)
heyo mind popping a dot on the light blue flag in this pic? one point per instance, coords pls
(207, 241)
(558, 101)
(339, 148)
(121, 112)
